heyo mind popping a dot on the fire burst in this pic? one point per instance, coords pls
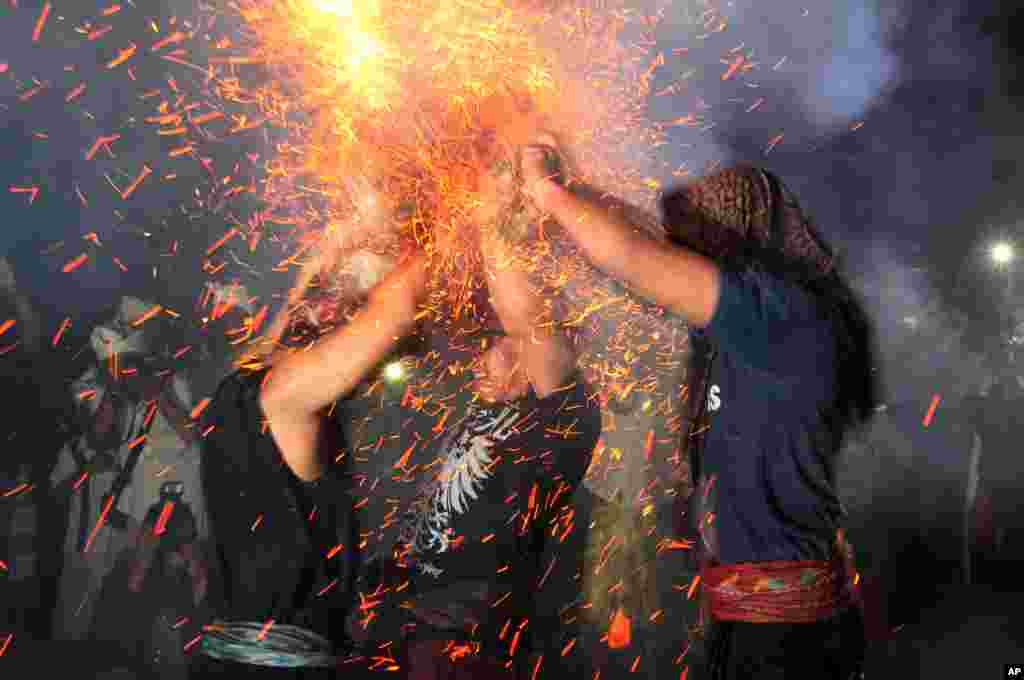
(385, 114)
(388, 108)
(403, 98)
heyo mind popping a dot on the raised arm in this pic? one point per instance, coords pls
(302, 384)
(750, 311)
(678, 278)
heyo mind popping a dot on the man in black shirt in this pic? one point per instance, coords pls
(484, 482)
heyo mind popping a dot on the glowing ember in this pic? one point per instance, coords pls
(394, 371)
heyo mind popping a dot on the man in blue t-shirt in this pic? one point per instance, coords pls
(782, 372)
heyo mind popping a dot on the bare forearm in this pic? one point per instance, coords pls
(307, 381)
(680, 279)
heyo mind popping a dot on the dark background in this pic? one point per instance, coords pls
(914, 196)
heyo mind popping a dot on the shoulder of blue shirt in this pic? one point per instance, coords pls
(768, 321)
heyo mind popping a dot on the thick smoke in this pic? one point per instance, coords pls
(924, 347)
(751, 71)
(859, 67)
(876, 114)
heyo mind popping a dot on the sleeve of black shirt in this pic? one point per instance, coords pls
(240, 453)
(237, 470)
(248, 487)
(240, 459)
(250, 491)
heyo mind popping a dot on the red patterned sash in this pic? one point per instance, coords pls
(781, 592)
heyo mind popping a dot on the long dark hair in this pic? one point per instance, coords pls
(857, 385)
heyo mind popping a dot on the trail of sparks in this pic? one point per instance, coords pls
(932, 407)
(122, 56)
(201, 406)
(161, 522)
(75, 263)
(147, 315)
(101, 142)
(37, 32)
(64, 326)
(146, 171)
(31, 191)
(107, 505)
(772, 143)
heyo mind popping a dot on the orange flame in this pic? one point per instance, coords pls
(620, 632)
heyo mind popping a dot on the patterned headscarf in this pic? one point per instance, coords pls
(735, 208)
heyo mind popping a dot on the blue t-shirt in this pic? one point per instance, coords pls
(766, 490)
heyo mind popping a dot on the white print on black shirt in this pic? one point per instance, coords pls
(465, 469)
(714, 398)
(427, 568)
(706, 501)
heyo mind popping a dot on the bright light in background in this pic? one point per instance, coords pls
(1002, 253)
(394, 372)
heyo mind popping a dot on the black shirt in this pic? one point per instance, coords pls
(284, 547)
(481, 517)
(471, 501)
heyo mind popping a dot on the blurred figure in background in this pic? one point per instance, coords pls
(998, 550)
(135, 432)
